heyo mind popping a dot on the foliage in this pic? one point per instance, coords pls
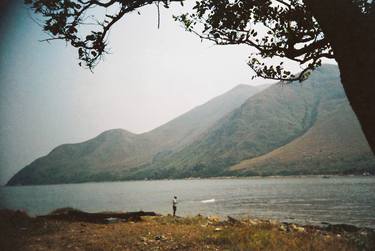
(69, 19)
(274, 28)
(279, 29)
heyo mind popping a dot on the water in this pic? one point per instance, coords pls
(309, 200)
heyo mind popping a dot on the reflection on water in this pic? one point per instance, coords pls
(313, 200)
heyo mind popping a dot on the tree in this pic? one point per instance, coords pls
(301, 31)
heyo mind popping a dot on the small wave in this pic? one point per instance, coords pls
(208, 201)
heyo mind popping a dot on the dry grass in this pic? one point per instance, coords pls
(164, 233)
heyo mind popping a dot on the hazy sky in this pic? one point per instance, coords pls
(152, 76)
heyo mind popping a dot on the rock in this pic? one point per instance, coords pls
(342, 227)
(297, 228)
(300, 229)
(213, 218)
(160, 238)
(253, 222)
(111, 220)
(283, 228)
(101, 217)
(233, 221)
(363, 232)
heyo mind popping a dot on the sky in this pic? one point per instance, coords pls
(151, 76)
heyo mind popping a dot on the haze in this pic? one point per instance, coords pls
(152, 76)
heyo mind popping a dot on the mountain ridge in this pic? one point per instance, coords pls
(278, 114)
(85, 160)
(240, 133)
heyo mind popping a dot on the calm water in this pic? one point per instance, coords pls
(312, 200)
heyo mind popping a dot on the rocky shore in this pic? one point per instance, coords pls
(70, 229)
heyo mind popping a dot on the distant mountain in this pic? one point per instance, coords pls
(306, 128)
(298, 128)
(188, 127)
(108, 155)
(334, 144)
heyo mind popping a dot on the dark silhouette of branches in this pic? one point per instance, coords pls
(281, 29)
(70, 20)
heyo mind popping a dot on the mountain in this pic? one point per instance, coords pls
(188, 127)
(283, 129)
(111, 153)
(85, 161)
(306, 128)
(334, 144)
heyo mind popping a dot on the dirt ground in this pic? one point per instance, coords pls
(21, 232)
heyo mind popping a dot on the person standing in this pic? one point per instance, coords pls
(174, 205)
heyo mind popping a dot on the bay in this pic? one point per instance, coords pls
(304, 200)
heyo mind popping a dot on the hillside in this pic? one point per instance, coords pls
(315, 113)
(298, 128)
(85, 161)
(333, 145)
(115, 151)
(188, 127)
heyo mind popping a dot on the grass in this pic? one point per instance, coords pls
(20, 232)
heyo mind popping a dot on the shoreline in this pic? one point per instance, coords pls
(69, 228)
(322, 176)
(240, 217)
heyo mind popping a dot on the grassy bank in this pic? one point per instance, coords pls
(74, 230)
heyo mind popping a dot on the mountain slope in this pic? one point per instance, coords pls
(268, 121)
(306, 128)
(335, 144)
(188, 127)
(85, 161)
(112, 152)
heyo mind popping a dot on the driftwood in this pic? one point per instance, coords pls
(69, 214)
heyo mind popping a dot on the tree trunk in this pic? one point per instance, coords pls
(358, 79)
(352, 37)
